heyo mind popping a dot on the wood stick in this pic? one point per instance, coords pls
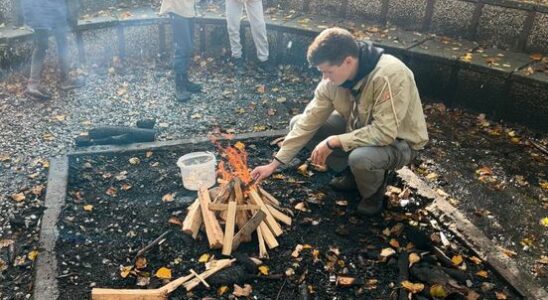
(213, 229)
(138, 294)
(248, 228)
(241, 216)
(268, 236)
(225, 192)
(229, 228)
(256, 199)
(221, 207)
(278, 215)
(199, 277)
(268, 197)
(152, 244)
(262, 248)
(193, 220)
(219, 265)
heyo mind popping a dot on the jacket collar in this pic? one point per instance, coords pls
(367, 60)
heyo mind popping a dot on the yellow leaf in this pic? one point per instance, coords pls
(544, 185)
(221, 290)
(18, 197)
(303, 170)
(88, 207)
(413, 287)
(124, 271)
(394, 243)
(536, 56)
(32, 255)
(140, 263)
(264, 269)
(167, 197)
(457, 260)
(544, 222)
(482, 273)
(204, 258)
(438, 291)
(163, 273)
(413, 259)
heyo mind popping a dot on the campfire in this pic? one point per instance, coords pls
(239, 205)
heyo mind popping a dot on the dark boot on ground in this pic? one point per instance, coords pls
(345, 182)
(181, 93)
(191, 86)
(266, 67)
(72, 83)
(375, 204)
(36, 93)
(238, 65)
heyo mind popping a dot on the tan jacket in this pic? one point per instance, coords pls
(183, 8)
(389, 107)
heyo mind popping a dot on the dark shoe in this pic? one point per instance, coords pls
(375, 204)
(37, 93)
(73, 83)
(266, 67)
(146, 123)
(193, 87)
(182, 95)
(343, 183)
(238, 65)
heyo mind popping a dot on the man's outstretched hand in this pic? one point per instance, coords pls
(264, 171)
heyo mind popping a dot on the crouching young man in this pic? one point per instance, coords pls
(366, 116)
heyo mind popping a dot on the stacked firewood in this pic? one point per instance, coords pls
(243, 209)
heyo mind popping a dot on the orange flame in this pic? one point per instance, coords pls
(235, 162)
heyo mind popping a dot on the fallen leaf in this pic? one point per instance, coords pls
(134, 161)
(6, 243)
(484, 171)
(240, 146)
(387, 252)
(341, 202)
(413, 259)
(32, 255)
(536, 56)
(88, 207)
(264, 269)
(204, 258)
(476, 260)
(472, 295)
(242, 292)
(163, 273)
(301, 206)
(394, 243)
(126, 186)
(125, 270)
(175, 221)
(438, 291)
(544, 222)
(143, 281)
(414, 288)
(261, 89)
(18, 197)
(141, 262)
(303, 170)
(222, 290)
(167, 197)
(508, 252)
(457, 260)
(432, 176)
(482, 273)
(281, 100)
(37, 190)
(297, 251)
(111, 191)
(500, 295)
(148, 154)
(4, 157)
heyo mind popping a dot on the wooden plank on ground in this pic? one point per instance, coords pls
(269, 198)
(262, 247)
(278, 215)
(268, 236)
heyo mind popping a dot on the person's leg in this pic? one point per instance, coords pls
(182, 45)
(233, 15)
(335, 124)
(188, 49)
(37, 64)
(67, 82)
(254, 9)
(369, 166)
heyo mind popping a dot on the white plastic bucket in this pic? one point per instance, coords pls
(198, 170)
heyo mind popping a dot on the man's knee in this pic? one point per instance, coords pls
(364, 158)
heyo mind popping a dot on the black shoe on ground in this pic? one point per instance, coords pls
(182, 95)
(375, 204)
(345, 182)
(37, 93)
(72, 83)
(266, 67)
(238, 65)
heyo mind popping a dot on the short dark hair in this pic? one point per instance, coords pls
(332, 45)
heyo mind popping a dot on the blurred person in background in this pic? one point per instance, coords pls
(182, 13)
(46, 18)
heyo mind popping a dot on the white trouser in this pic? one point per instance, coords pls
(254, 10)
